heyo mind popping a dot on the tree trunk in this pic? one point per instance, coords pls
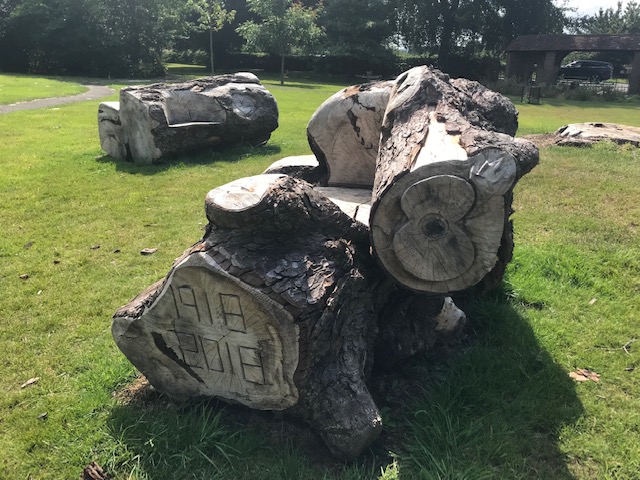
(277, 308)
(282, 69)
(441, 196)
(344, 133)
(211, 50)
(281, 305)
(272, 309)
(153, 122)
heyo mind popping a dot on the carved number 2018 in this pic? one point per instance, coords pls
(213, 343)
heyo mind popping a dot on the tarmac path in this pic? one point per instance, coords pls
(95, 92)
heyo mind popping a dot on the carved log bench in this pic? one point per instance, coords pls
(298, 290)
(153, 122)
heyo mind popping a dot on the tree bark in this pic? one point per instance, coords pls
(443, 176)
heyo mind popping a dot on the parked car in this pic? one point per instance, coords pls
(587, 70)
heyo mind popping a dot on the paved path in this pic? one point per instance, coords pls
(95, 92)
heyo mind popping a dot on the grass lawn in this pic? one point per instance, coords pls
(554, 113)
(21, 88)
(498, 405)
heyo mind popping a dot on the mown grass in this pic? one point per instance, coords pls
(554, 113)
(498, 404)
(21, 88)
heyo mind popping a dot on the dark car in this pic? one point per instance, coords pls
(587, 70)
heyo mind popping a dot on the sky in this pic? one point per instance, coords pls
(590, 7)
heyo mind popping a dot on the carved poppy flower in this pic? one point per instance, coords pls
(433, 244)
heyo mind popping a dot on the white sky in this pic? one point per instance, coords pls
(589, 7)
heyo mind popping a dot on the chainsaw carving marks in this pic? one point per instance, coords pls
(439, 227)
(220, 345)
(232, 339)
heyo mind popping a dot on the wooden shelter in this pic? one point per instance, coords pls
(548, 51)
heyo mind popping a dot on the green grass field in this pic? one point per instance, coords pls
(21, 88)
(499, 405)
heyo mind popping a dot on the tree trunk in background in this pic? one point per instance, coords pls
(282, 69)
(211, 50)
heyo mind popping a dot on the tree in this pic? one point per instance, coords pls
(611, 21)
(284, 27)
(84, 37)
(212, 17)
(360, 30)
(446, 27)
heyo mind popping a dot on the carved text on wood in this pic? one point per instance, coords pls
(228, 338)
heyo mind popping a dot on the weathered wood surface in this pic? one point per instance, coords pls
(345, 131)
(161, 120)
(282, 306)
(279, 307)
(304, 167)
(441, 197)
(271, 309)
(579, 134)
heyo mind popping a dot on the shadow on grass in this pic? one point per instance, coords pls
(494, 409)
(210, 440)
(489, 406)
(230, 154)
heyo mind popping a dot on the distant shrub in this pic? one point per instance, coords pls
(603, 92)
(188, 57)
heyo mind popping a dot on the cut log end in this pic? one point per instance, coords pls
(438, 229)
(242, 194)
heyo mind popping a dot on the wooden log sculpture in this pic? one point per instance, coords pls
(283, 306)
(272, 309)
(345, 131)
(152, 122)
(445, 169)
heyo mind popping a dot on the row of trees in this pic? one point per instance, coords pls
(611, 20)
(127, 37)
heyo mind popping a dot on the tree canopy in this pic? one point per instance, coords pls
(282, 28)
(445, 27)
(89, 37)
(611, 20)
(127, 37)
(358, 29)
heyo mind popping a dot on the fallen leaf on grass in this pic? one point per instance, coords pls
(29, 382)
(584, 375)
(148, 251)
(592, 301)
(94, 247)
(93, 471)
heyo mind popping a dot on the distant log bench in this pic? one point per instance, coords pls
(548, 51)
(153, 122)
